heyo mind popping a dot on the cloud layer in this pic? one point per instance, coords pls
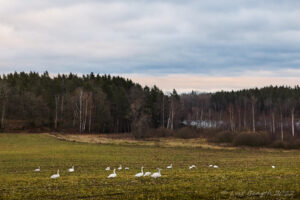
(203, 83)
(159, 37)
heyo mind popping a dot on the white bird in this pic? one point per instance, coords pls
(215, 166)
(107, 168)
(37, 169)
(210, 166)
(147, 174)
(273, 166)
(54, 176)
(120, 168)
(156, 174)
(126, 168)
(71, 169)
(113, 175)
(141, 173)
(192, 166)
(170, 167)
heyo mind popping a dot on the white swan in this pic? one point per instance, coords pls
(54, 176)
(71, 169)
(170, 167)
(192, 166)
(37, 169)
(156, 174)
(120, 167)
(126, 168)
(273, 166)
(113, 175)
(210, 166)
(141, 173)
(215, 166)
(107, 168)
(147, 174)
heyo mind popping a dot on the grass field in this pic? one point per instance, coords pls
(242, 173)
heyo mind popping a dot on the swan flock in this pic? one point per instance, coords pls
(138, 175)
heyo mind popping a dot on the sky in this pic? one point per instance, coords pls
(206, 45)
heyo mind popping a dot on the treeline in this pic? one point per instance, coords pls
(105, 104)
(272, 110)
(85, 104)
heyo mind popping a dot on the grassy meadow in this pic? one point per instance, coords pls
(243, 173)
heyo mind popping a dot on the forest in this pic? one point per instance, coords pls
(87, 104)
(93, 103)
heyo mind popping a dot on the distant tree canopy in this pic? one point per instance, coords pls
(106, 104)
(270, 109)
(91, 103)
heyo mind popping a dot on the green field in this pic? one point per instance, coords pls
(242, 173)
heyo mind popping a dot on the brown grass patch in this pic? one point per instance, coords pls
(129, 140)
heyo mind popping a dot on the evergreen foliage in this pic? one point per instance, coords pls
(91, 103)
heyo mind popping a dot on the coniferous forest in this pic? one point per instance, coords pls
(33, 102)
(91, 103)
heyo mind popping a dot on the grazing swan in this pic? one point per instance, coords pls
(273, 166)
(37, 169)
(126, 168)
(156, 174)
(54, 176)
(71, 169)
(192, 166)
(141, 173)
(170, 167)
(147, 174)
(113, 175)
(107, 168)
(215, 166)
(120, 168)
(210, 165)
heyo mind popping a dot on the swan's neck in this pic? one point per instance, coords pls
(114, 171)
(142, 170)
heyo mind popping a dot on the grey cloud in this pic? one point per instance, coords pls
(224, 36)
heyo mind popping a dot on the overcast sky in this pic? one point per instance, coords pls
(202, 45)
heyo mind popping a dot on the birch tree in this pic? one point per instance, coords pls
(253, 102)
(56, 111)
(4, 90)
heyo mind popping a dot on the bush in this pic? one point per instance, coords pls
(251, 139)
(153, 133)
(278, 144)
(159, 132)
(292, 144)
(140, 127)
(186, 133)
(222, 137)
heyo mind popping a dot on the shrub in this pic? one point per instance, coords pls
(278, 144)
(294, 144)
(186, 133)
(291, 144)
(251, 139)
(153, 133)
(222, 137)
(140, 127)
(160, 132)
